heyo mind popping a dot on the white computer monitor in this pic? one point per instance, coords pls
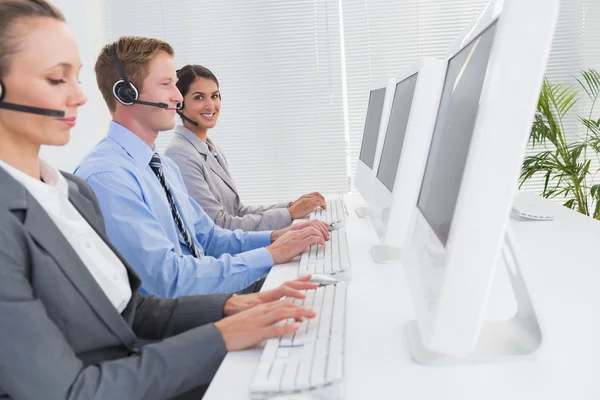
(399, 169)
(378, 111)
(491, 11)
(462, 216)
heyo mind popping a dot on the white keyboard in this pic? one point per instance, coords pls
(331, 258)
(336, 211)
(312, 358)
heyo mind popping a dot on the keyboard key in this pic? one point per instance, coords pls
(335, 361)
(270, 350)
(288, 382)
(317, 376)
(304, 370)
(260, 381)
(339, 309)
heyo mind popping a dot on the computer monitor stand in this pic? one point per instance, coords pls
(517, 338)
(362, 212)
(383, 254)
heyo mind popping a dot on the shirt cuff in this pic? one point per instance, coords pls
(258, 259)
(259, 239)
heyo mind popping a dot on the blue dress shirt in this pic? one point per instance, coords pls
(139, 223)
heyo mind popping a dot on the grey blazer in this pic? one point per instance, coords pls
(61, 338)
(209, 182)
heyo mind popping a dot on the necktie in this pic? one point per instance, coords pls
(156, 166)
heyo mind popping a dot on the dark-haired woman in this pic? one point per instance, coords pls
(204, 166)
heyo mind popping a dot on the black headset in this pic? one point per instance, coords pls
(27, 109)
(183, 116)
(125, 91)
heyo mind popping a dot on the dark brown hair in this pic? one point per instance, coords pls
(188, 75)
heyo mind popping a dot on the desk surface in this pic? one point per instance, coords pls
(562, 271)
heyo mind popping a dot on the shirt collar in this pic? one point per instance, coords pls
(136, 147)
(51, 176)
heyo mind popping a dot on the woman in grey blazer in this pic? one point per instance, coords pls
(71, 311)
(204, 166)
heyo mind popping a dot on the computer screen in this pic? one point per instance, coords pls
(453, 131)
(371, 133)
(396, 130)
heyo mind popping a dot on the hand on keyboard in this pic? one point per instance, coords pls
(323, 227)
(294, 242)
(250, 327)
(306, 204)
(290, 289)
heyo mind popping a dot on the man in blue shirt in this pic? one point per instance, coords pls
(174, 246)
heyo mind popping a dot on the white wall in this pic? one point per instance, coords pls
(85, 19)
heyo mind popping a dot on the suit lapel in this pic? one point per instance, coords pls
(218, 169)
(202, 148)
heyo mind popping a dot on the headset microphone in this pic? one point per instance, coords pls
(147, 103)
(27, 109)
(183, 116)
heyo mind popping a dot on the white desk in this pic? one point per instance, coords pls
(562, 270)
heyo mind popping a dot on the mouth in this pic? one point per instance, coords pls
(208, 115)
(69, 121)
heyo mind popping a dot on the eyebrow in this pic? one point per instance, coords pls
(66, 65)
(202, 93)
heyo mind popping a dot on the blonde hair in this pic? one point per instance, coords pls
(135, 54)
(12, 11)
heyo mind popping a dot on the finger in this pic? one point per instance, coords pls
(321, 228)
(271, 295)
(304, 278)
(313, 194)
(308, 231)
(314, 239)
(320, 202)
(276, 331)
(303, 285)
(280, 313)
(292, 292)
(276, 304)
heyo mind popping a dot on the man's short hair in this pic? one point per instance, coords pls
(135, 54)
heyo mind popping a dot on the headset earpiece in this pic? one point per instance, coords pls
(125, 92)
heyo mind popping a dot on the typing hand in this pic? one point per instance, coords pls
(294, 242)
(247, 328)
(306, 204)
(323, 227)
(237, 304)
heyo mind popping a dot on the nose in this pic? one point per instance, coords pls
(176, 96)
(209, 105)
(78, 98)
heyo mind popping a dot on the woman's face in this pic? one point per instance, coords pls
(43, 72)
(202, 103)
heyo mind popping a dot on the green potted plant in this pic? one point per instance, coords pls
(566, 160)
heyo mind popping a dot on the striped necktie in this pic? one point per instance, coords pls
(156, 166)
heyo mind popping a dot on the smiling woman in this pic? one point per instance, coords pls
(205, 169)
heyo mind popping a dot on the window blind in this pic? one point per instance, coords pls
(278, 63)
(295, 74)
